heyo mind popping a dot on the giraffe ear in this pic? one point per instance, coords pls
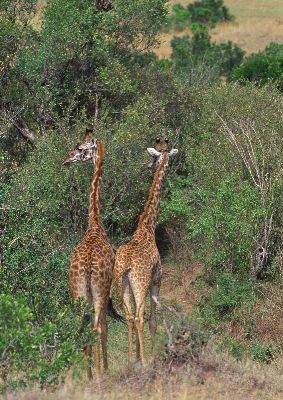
(173, 152)
(153, 152)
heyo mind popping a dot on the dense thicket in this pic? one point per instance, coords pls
(221, 198)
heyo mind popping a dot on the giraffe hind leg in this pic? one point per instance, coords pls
(97, 338)
(99, 326)
(87, 354)
(139, 328)
(81, 292)
(125, 290)
(100, 331)
(139, 292)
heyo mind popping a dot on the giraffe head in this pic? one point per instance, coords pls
(160, 151)
(84, 150)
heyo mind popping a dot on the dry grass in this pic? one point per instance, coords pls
(258, 22)
(210, 376)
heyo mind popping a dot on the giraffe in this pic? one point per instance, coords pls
(92, 261)
(137, 268)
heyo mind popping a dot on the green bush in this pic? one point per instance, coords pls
(22, 341)
(263, 352)
(34, 350)
(78, 54)
(262, 67)
(179, 19)
(209, 12)
(236, 349)
(229, 293)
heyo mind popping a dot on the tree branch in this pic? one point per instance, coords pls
(23, 129)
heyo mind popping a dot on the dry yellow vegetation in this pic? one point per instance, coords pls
(210, 376)
(257, 23)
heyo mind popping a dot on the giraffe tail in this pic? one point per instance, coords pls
(113, 313)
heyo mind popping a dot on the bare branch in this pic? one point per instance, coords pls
(248, 144)
(96, 111)
(23, 129)
(168, 330)
(169, 308)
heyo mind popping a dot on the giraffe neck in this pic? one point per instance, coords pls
(94, 197)
(150, 213)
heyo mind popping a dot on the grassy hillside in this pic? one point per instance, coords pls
(257, 23)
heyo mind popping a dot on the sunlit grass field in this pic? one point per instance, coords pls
(257, 23)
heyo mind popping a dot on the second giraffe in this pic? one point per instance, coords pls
(137, 267)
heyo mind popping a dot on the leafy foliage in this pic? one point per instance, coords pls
(209, 12)
(216, 197)
(263, 352)
(79, 53)
(204, 12)
(179, 19)
(20, 340)
(26, 345)
(262, 67)
(229, 293)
